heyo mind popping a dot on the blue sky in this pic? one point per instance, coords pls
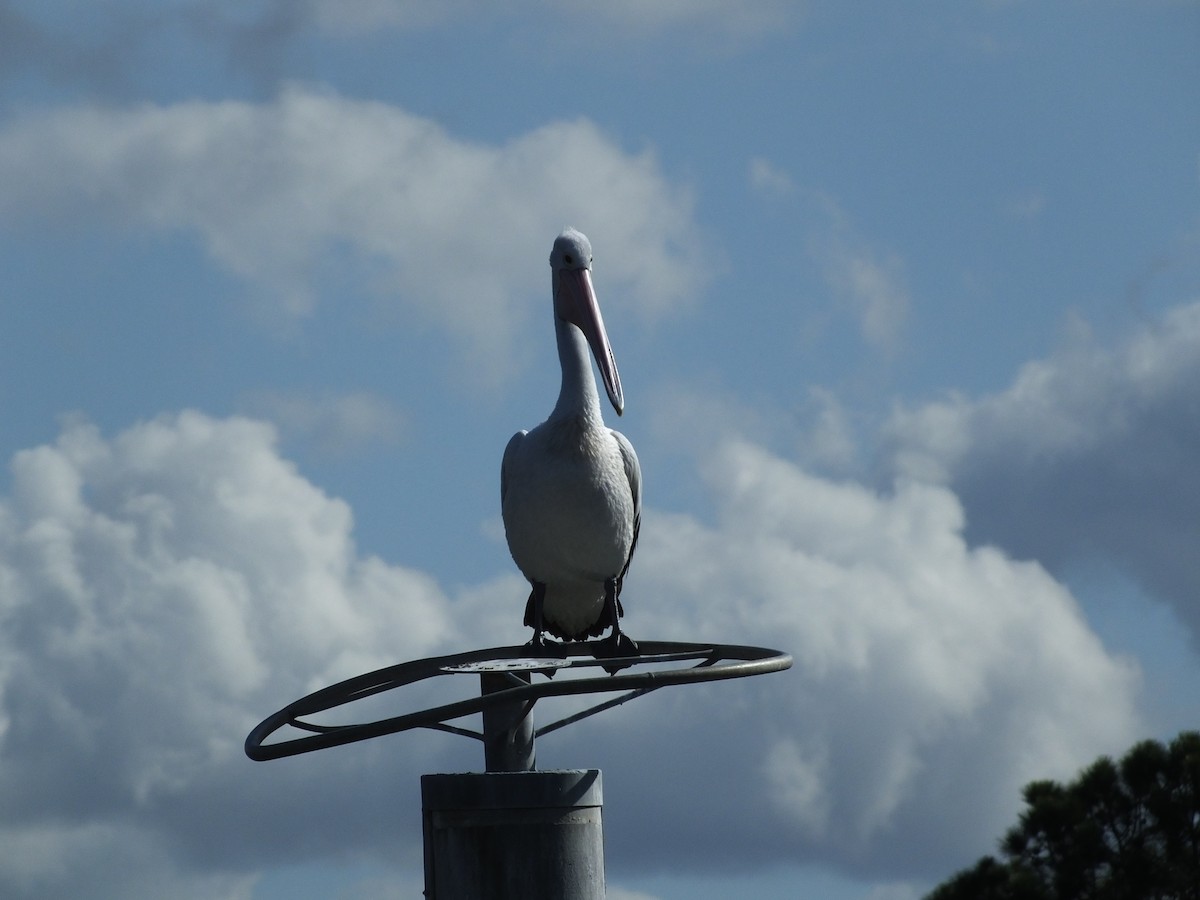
(906, 302)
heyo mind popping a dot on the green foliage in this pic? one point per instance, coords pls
(1119, 831)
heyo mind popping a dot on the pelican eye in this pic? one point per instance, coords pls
(567, 259)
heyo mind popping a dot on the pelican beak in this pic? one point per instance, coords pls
(583, 311)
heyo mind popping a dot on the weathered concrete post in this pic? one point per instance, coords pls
(514, 835)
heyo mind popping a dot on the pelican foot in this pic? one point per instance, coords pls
(616, 647)
(537, 642)
(538, 645)
(541, 644)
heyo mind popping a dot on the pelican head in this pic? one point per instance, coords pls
(575, 302)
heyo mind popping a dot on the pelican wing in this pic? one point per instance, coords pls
(633, 472)
(509, 450)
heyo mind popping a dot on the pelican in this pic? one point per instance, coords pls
(571, 489)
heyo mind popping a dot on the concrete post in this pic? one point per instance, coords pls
(514, 835)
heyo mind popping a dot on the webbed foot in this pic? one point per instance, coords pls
(537, 642)
(617, 646)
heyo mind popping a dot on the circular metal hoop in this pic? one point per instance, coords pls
(709, 662)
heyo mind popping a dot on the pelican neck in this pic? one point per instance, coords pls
(577, 397)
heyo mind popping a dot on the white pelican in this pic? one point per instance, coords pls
(571, 489)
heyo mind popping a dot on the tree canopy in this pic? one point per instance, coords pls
(1127, 830)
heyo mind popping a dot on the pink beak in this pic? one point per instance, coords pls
(583, 311)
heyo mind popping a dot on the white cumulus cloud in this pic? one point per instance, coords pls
(932, 678)
(452, 232)
(162, 591)
(166, 588)
(336, 423)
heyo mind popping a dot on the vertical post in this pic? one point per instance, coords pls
(513, 835)
(507, 727)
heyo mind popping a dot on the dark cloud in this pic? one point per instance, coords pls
(1089, 454)
(29, 48)
(132, 49)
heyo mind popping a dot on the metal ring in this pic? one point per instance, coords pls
(714, 662)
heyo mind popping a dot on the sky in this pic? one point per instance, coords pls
(906, 304)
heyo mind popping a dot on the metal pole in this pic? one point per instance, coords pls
(507, 727)
(514, 835)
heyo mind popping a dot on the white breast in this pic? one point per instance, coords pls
(569, 515)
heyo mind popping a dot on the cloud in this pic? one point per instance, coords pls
(1089, 453)
(830, 441)
(110, 860)
(616, 893)
(1025, 206)
(894, 892)
(739, 20)
(750, 18)
(314, 186)
(164, 589)
(161, 592)
(866, 281)
(767, 178)
(128, 48)
(28, 45)
(352, 17)
(932, 679)
(336, 424)
(872, 288)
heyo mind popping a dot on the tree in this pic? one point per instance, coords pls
(1127, 830)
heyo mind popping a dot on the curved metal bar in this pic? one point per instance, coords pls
(711, 667)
